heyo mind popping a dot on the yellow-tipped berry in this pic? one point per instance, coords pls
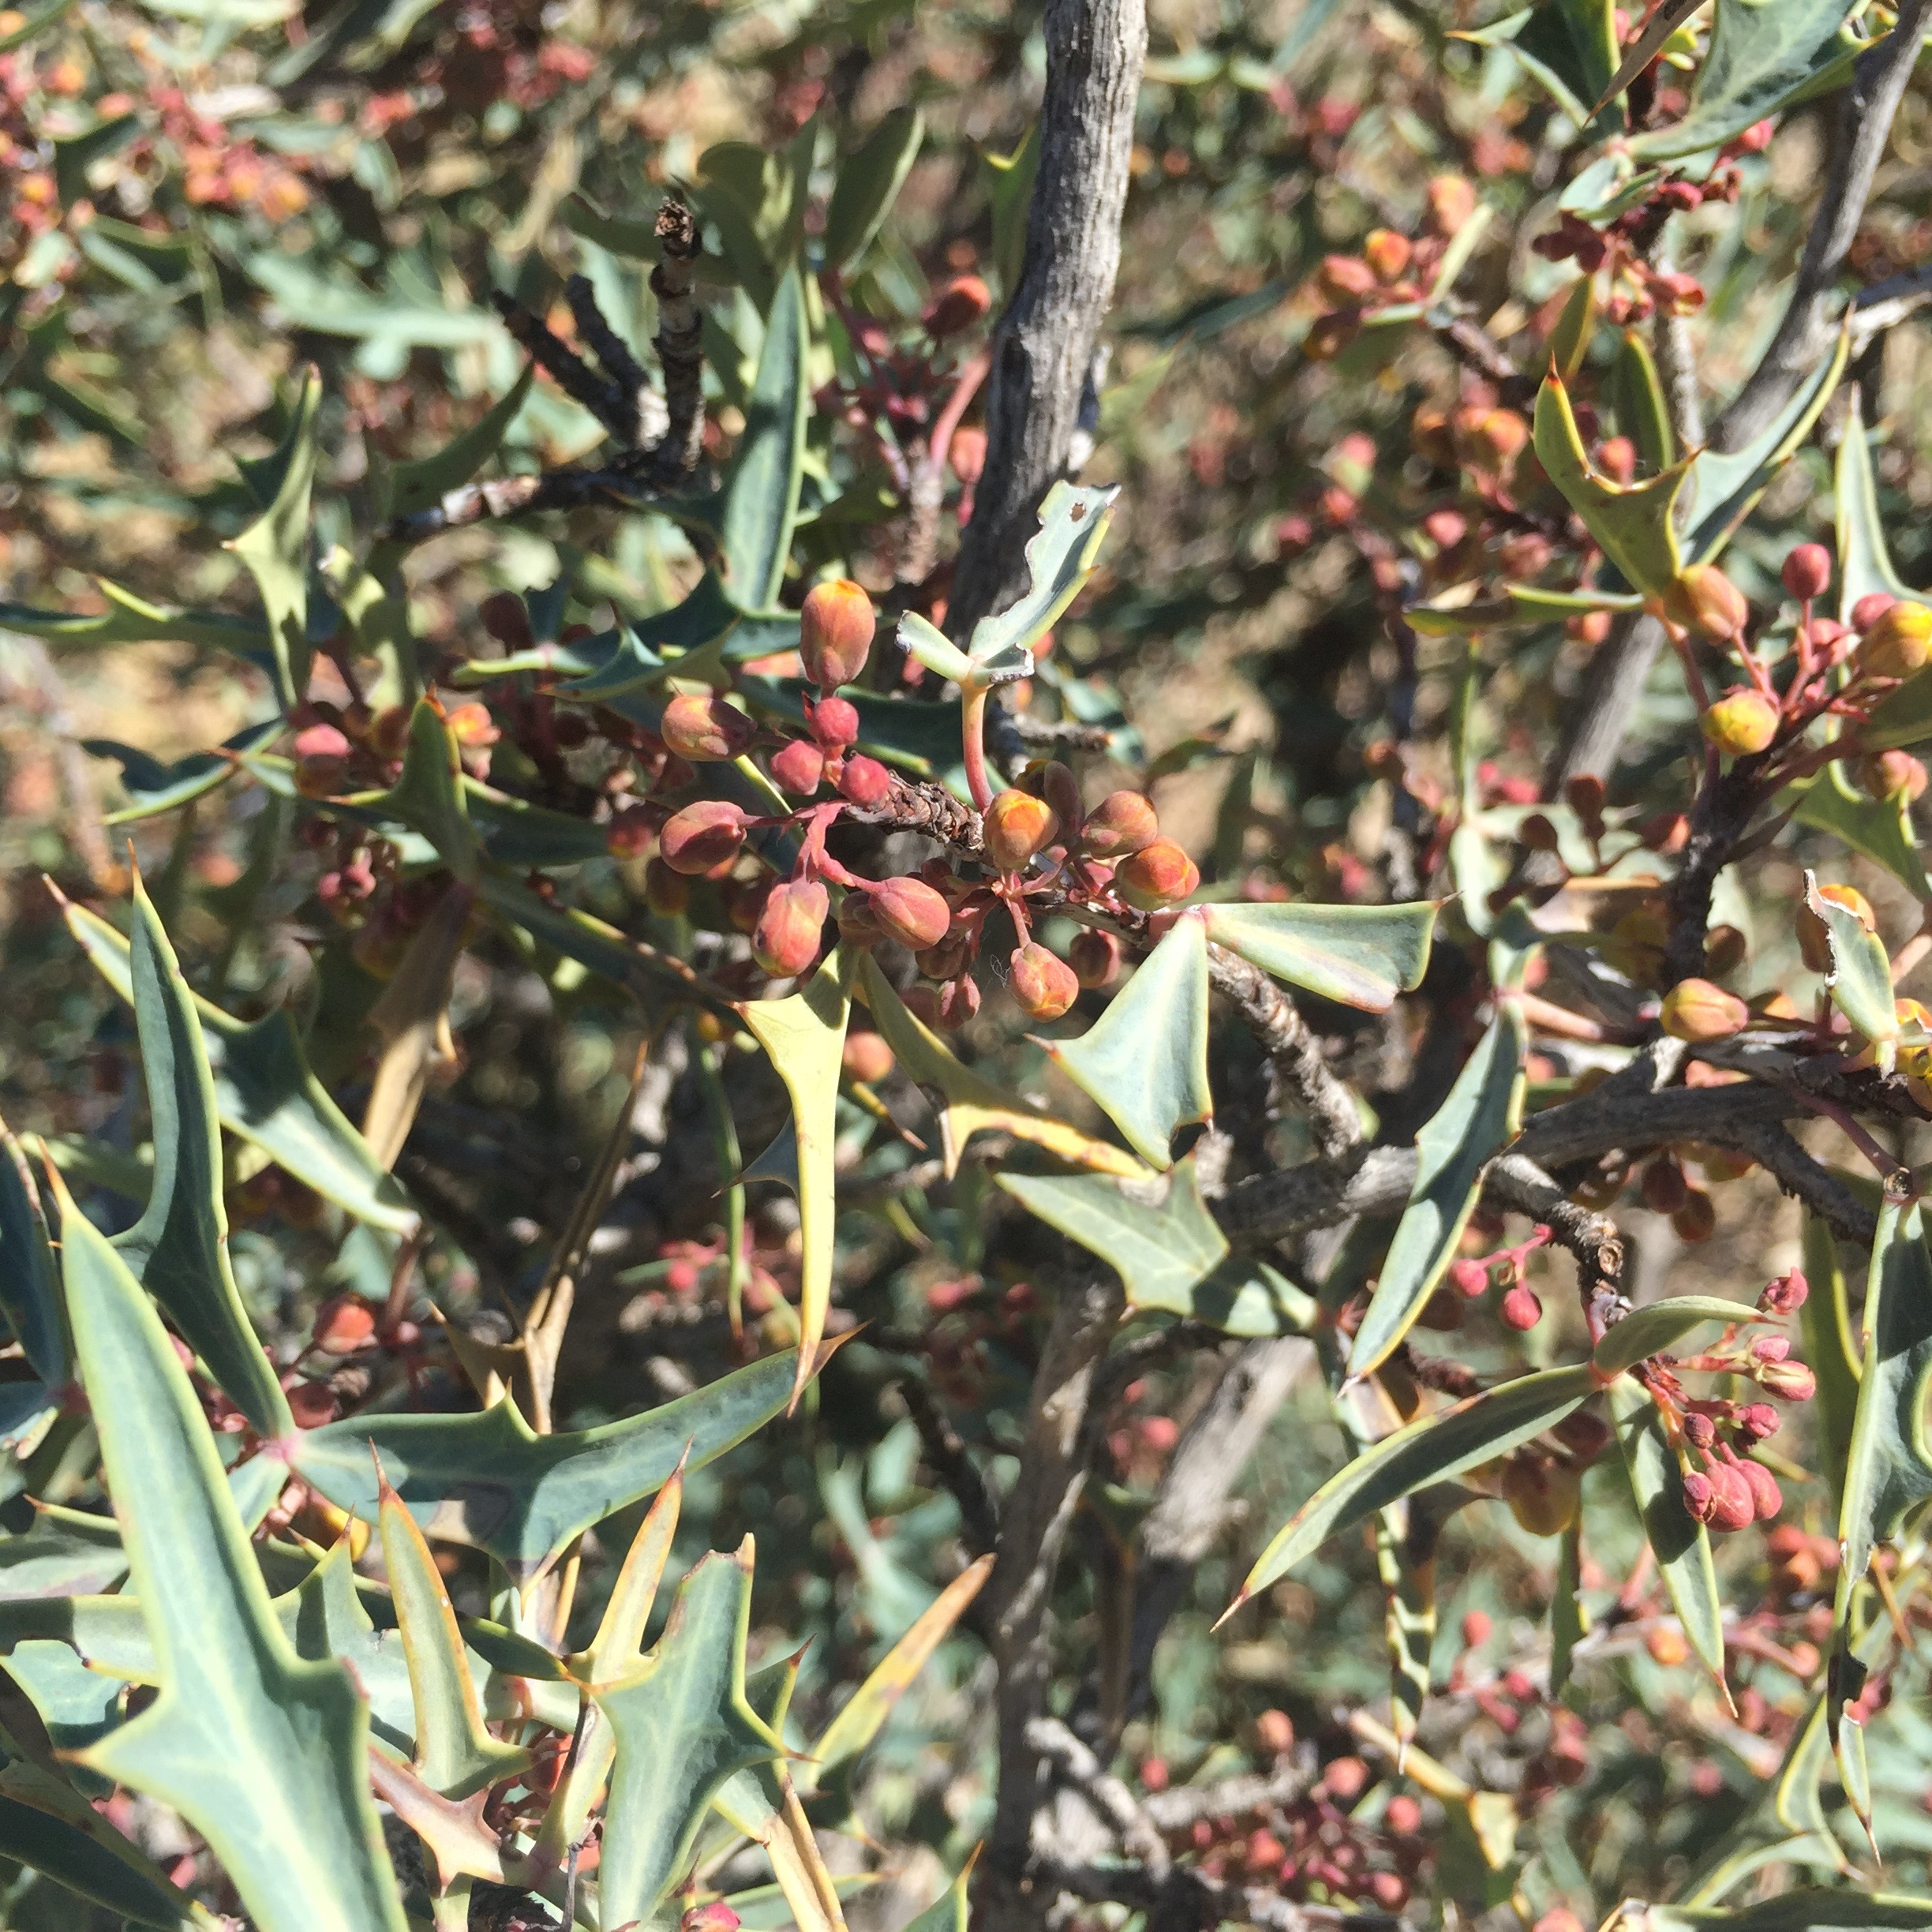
(1741, 722)
(1121, 824)
(1159, 875)
(910, 911)
(1017, 825)
(786, 939)
(702, 838)
(1897, 642)
(1696, 1010)
(835, 632)
(704, 730)
(1707, 601)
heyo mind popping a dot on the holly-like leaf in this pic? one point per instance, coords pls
(1568, 46)
(1661, 1325)
(454, 1756)
(1635, 392)
(276, 546)
(1633, 523)
(133, 620)
(1361, 955)
(1763, 55)
(761, 498)
(949, 1911)
(1430, 1449)
(1881, 828)
(868, 181)
(681, 1727)
(1456, 613)
(1682, 1544)
(179, 1249)
(1171, 1256)
(1144, 1061)
(1481, 1115)
(1864, 563)
(1831, 1348)
(61, 1553)
(1669, 16)
(262, 1753)
(761, 1802)
(805, 1036)
(488, 1480)
(153, 787)
(1060, 556)
(418, 485)
(1821, 1910)
(1569, 1622)
(28, 1296)
(970, 1103)
(1860, 977)
(694, 625)
(265, 1093)
(428, 793)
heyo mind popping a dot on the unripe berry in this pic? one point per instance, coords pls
(835, 723)
(966, 455)
(1017, 825)
(1344, 279)
(786, 939)
(1664, 1188)
(1700, 1494)
(1045, 986)
(1468, 1277)
(1759, 1421)
(666, 892)
(1741, 722)
(1387, 253)
(1451, 202)
(715, 1916)
(1885, 774)
(1616, 457)
(799, 768)
(1707, 601)
(948, 959)
(1790, 1381)
(1870, 607)
(1732, 1505)
(1786, 1295)
(1159, 875)
(1542, 1496)
(836, 623)
(948, 1007)
(1123, 824)
(1897, 642)
(956, 307)
(1521, 1309)
(703, 729)
(1697, 1011)
(1813, 948)
(1475, 1629)
(1503, 434)
(1767, 1498)
(701, 836)
(909, 911)
(1724, 950)
(866, 782)
(865, 1058)
(1807, 570)
(1095, 958)
(858, 925)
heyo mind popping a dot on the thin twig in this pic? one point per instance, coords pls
(950, 1460)
(679, 341)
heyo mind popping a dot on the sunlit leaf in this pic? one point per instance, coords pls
(1860, 975)
(1864, 561)
(1880, 827)
(1362, 955)
(276, 546)
(1635, 392)
(1662, 1325)
(1633, 522)
(1171, 1256)
(262, 1752)
(762, 497)
(1144, 1061)
(1682, 1544)
(153, 787)
(1835, 1909)
(179, 1249)
(1060, 558)
(1482, 1113)
(970, 1102)
(265, 1093)
(133, 620)
(1831, 1348)
(1429, 1449)
(428, 793)
(489, 1481)
(805, 1036)
(416, 485)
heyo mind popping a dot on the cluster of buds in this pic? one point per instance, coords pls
(1391, 269)
(1472, 1276)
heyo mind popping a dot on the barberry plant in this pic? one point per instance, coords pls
(1125, 1176)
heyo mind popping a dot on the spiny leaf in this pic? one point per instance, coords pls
(133, 620)
(1362, 955)
(949, 1911)
(1830, 1347)
(1060, 558)
(1681, 1543)
(761, 498)
(1835, 1909)
(179, 1249)
(262, 1753)
(1633, 522)
(681, 1727)
(276, 546)
(1569, 1622)
(760, 1802)
(428, 795)
(804, 1033)
(1408, 1618)
(1145, 1060)
(1864, 563)
(415, 486)
(489, 1481)
(28, 1296)
(153, 787)
(1171, 1256)
(864, 1713)
(973, 1103)
(265, 1093)
(412, 1016)
(1880, 827)
(1670, 15)
(1430, 1449)
(1661, 1325)
(1481, 1115)
(1635, 392)
(1763, 55)
(455, 1756)
(1860, 978)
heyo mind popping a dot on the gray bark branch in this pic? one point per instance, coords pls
(1044, 345)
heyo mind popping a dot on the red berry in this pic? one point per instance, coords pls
(866, 782)
(1807, 570)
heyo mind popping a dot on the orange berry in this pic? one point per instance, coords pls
(702, 837)
(1017, 825)
(1387, 253)
(1121, 824)
(836, 626)
(957, 306)
(1344, 279)
(343, 1324)
(704, 730)
(786, 940)
(910, 911)
(1159, 875)
(798, 769)
(865, 1058)
(1696, 1010)
(1045, 986)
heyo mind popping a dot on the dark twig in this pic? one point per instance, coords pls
(1188, 1901)
(1720, 817)
(636, 398)
(603, 398)
(1294, 1054)
(1862, 129)
(680, 338)
(1062, 734)
(951, 1460)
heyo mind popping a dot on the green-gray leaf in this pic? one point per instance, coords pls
(28, 1297)
(1881, 828)
(1060, 558)
(761, 498)
(1145, 1060)
(276, 546)
(1860, 977)
(1361, 955)
(1645, 1331)
(153, 787)
(179, 1249)
(868, 184)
